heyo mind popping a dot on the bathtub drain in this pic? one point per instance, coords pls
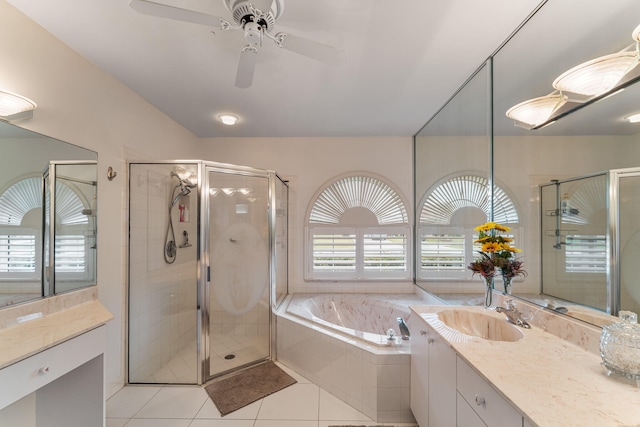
(230, 356)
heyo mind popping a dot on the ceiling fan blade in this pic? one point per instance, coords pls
(262, 5)
(311, 49)
(165, 11)
(246, 67)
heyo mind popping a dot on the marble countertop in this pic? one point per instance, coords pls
(553, 382)
(38, 331)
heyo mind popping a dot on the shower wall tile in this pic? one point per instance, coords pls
(162, 299)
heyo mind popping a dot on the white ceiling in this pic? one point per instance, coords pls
(404, 59)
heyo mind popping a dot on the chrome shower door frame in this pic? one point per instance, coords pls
(204, 260)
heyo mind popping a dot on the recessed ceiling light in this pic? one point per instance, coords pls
(228, 119)
(633, 118)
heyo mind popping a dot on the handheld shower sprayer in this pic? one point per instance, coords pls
(185, 186)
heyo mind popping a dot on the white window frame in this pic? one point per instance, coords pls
(359, 272)
(389, 216)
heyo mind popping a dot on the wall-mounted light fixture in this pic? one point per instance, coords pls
(228, 119)
(587, 82)
(536, 111)
(15, 107)
(598, 76)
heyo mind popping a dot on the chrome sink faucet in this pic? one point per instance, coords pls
(513, 314)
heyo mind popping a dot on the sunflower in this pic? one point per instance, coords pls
(489, 247)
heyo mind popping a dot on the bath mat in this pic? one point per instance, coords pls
(243, 388)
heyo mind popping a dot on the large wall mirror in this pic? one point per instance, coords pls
(568, 184)
(452, 164)
(41, 253)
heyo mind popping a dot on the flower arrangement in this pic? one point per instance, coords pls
(496, 253)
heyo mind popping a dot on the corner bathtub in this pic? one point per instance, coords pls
(339, 342)
(364, 317)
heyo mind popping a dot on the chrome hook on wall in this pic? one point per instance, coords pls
(111, 173)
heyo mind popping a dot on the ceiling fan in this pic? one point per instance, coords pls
(257, 19)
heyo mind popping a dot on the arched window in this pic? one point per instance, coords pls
(449, 213)
(358, 229)
(21, 230)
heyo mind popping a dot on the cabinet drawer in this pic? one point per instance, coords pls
(28, 375)
(466, 417)
(492, 408)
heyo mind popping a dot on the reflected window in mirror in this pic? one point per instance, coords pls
(449, 214)
(26, 155)
(20, 237)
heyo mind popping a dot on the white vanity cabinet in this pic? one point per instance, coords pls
(446, 391)
(433, 377)
(62, 386)
(475, 394)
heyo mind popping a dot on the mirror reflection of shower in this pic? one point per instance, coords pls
(181, 190)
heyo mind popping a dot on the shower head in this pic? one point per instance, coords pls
(182, 182)
(184, 191)
(184, 185)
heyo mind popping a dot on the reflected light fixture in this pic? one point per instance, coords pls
(228, 119)
(15, 107)
(534, 112)
(597, 76)
(591, 79)
(633, 118)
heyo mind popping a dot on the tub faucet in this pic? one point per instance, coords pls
(513, 314)
(404, 329)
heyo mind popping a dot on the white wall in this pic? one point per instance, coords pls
(308, 163)
(82, 105)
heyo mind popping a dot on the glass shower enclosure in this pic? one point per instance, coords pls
(207, 266)
(590, 240)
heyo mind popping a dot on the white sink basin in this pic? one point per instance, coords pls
(481, 325)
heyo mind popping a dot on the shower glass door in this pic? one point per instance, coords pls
(239, 269)
(627, 297)
(574, 240)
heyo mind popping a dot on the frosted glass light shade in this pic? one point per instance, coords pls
(12, 104)
(536, 111)
(598, 76)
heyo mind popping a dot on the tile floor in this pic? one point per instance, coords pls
(301, 405)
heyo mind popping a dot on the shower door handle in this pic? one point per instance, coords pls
(208, 273)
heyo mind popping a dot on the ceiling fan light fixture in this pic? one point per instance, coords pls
(14, 106)
(597, 76)
(633, 118)
(534, 112)
(228, 119)
(635, 35)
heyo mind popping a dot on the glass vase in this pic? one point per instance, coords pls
(506, 281)
(488, 291)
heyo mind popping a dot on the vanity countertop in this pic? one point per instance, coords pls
(551, 381)
(37, 332)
